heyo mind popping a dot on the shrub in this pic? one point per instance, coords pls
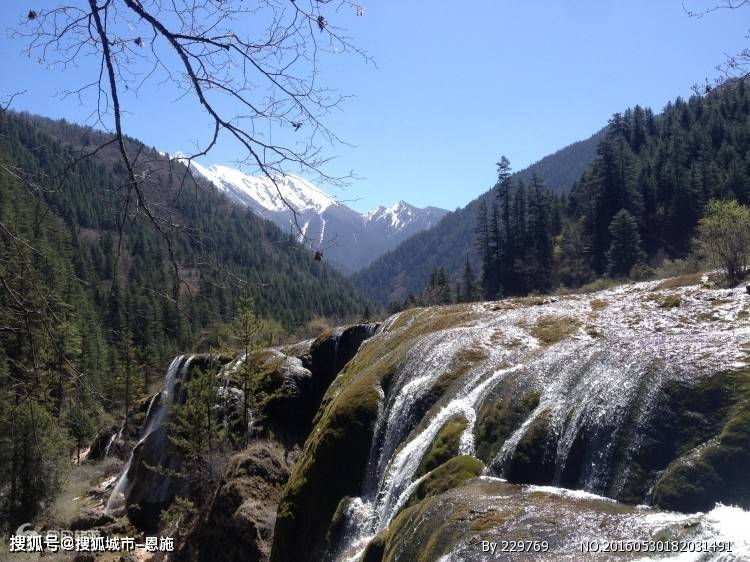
(724, 237)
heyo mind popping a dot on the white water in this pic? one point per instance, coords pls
(612, 367)
(176, 372)
(582, 517)
(115, 436)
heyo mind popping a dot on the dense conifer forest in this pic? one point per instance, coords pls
(89, 320)
(407, 269)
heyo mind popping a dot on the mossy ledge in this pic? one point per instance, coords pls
(444, 446)
(335, 455)
(448, 475)
(499, 418)
(720, 470)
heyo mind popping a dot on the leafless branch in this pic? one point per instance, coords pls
(735, 67)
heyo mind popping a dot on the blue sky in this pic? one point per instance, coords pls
(456, 85)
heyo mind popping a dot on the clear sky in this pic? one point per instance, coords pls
(457, 84)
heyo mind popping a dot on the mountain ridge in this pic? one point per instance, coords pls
(350, 240)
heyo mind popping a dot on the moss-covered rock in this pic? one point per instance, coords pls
(685, 415)
(499, 418)
(452, 525)
(239, 523)
(330, 352)
(533, 461)
(448, 475)
(720, 470)
(444, 446)
(335, 455)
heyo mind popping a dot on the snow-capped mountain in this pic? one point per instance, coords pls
(402, 217)
(349, 239)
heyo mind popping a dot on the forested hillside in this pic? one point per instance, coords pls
(88, 321)
(406, 269)
(639, 199)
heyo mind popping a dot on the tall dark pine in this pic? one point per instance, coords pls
(540, 259)
(483, 247)
(496, 248)
(505, 247)
(625, 249)
(519, 278)
(470, 292)
(613, 187)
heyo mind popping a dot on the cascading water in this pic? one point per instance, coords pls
(115, 437)
(599, 387)
(175, 377)
(394, 462)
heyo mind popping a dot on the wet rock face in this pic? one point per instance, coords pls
(290, 384)
(330, 353)
(239, 526)
(118, 440)
(616, 393)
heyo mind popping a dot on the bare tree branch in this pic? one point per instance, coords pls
(735, 66)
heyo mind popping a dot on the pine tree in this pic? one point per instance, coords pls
(506, 248)
(244, 334)
(438, 290)
(540, 259)
(625, 249)
(496, 249)
(470, 291)
(485, 250)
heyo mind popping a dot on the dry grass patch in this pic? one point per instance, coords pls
(679, 281)
(670, 301)
(551, 329)
(664, 301)
(592, 331)
(599, 304)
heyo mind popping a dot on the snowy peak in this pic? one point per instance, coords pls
(261, 192)
(402, 215)
(351, 240)
(396, 216)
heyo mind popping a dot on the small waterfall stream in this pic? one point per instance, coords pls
(175, 377)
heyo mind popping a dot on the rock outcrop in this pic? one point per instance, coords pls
(640, 394)
(239, 525)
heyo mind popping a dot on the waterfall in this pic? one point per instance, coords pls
(170, 394)
(394, 459)
(115, 436)
(600, 389)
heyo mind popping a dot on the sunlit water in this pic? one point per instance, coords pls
(611, 368)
